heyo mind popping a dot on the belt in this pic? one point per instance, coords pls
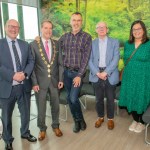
(101, 69)
(71, 69)
(17, 85)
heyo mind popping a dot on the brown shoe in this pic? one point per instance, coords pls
(99, 122)
(58, 132)
(110, 124)
(42, 135)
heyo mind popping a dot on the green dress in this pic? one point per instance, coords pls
(135, 87)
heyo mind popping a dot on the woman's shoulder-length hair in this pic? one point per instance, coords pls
(144, 38)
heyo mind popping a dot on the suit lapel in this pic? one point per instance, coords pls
(6, 48)
(52, 50)
(43, 49)
(21, 46)
(108, 49)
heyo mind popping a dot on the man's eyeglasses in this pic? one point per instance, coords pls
(136, 30)
(102, 28)
(13, 27)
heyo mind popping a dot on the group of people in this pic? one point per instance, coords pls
(46, 65)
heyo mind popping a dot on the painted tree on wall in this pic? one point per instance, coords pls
(77, 5)
(119, 14)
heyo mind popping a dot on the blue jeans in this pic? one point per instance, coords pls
(73, 94)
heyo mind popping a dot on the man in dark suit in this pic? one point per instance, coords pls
(16, 65)
(47, 77)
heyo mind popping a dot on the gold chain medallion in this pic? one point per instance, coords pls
(47, 63)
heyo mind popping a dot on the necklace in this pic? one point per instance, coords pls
(47, 63)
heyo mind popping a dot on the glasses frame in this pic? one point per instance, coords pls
(13, 27)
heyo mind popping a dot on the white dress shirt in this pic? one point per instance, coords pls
(102, 51)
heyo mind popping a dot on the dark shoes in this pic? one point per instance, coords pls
(30, 138)
(8, 146)
(76, 127)
(99, 122)
(79, 125)
(110, 124)
(82, 125)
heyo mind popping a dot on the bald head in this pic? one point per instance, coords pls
(12, 21)
(12, 28)
(101, 24)
(102, 29)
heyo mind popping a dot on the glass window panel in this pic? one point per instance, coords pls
(33, 3)
(30, 19)
(30, 22)
(12, 11)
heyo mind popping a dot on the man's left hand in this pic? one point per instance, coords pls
(103, 75)
(60, 85)
(77, 81)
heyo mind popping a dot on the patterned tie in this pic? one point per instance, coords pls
(17, 60)
(47, 49)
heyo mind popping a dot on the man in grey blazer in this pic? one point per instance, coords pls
(47, 77)
(104, 73)
(16, 65)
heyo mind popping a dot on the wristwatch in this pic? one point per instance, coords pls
(26, 75)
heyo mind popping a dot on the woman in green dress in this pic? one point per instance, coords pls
(135, 87)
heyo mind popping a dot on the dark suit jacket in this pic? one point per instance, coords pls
(7, 69)
(40, 73)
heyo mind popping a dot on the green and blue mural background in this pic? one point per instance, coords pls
(119, 14)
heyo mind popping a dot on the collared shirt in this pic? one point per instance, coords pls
(102, 51)
(49, 45)
(12, 55)
(76, 50)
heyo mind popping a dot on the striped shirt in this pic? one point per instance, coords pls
(76, 50)
(13, 57)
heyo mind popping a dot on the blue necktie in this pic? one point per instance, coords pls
(17, 60)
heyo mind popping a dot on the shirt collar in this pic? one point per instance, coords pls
(9, 39)
(103, 40)
(79, 33)
(43, 40)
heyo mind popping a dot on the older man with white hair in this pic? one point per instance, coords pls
(16, 65)
(104, 72)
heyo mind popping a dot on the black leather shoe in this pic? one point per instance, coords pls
(30, 138)
(82, 125)
(8, 146)
(76, 127)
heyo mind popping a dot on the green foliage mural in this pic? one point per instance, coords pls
(119, 14)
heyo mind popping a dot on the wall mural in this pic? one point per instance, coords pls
(119, 14)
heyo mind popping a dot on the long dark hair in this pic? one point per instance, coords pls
(144, 38)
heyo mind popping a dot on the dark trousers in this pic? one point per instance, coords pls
(23, 101)
(41, 102)
(137, 117)
(73, 94)
(104, 89)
